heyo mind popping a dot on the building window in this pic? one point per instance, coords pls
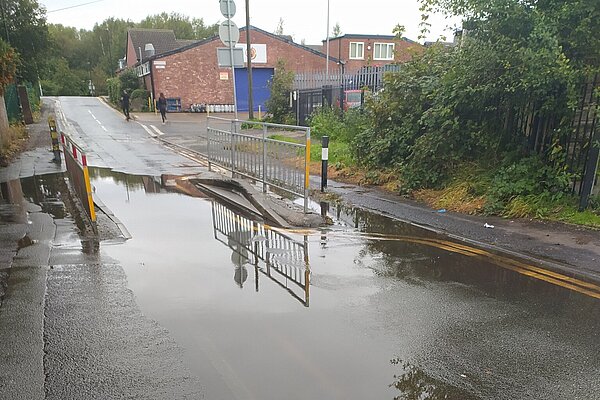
(383, 51)
(357, 50)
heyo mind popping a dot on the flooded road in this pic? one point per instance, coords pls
(366, 308)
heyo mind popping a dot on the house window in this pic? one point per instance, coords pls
(383, 51)
(357, 50)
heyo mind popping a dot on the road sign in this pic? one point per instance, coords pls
(225, 29)
(224, 57)
(227, 12)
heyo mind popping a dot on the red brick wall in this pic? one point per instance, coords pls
(340, 48)
(131, 53)
(193, 75)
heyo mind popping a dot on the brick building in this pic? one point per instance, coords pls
(358, 51)
(190, 72)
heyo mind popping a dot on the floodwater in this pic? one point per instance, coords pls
(366, 308)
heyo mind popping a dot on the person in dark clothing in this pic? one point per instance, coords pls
(125, 104)
(161, 104)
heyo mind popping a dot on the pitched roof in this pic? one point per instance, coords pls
(163, 40)
(374, 37)
(243, 29)
(317, 47)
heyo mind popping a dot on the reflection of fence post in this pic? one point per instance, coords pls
(264, 159)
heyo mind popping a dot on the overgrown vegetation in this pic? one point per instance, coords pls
(443, 123)
(278, 104)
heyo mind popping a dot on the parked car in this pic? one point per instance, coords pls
(353, 99)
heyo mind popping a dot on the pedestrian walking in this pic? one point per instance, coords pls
(161, 104)
(125, 104)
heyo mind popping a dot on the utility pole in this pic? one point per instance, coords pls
(110, 55)
(327, 66)
(249, 63)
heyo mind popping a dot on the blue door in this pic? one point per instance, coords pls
(260, 87)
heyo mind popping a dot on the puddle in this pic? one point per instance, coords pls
(265, 313)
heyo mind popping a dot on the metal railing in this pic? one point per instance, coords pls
(285, 259)
(246, 149)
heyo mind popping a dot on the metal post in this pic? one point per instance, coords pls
(235, 111)
(590, 174)
(264, 159)
(306, 170)
(249, 63)
(232, 144)
(327, 66)
(324, 161)
(208, 143)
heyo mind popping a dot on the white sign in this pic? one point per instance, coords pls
(227, 28)
(257, 51)
(224, 76)
(227, 8)
(160, 64)
(224, 57)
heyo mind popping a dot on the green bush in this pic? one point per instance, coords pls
(114, 90)
(278, 105)
(529, 180)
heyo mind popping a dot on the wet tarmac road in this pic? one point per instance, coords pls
(204, 302)
(369, 308)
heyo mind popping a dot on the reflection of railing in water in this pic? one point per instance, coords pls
(285, 260)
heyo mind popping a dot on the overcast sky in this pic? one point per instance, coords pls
(303, 19)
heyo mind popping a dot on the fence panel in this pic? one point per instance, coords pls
(285, 259)
(246, 148)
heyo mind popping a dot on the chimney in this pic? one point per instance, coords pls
(149, 50)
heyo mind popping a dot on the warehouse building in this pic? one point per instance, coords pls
(189, 73)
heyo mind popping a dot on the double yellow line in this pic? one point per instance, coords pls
(554, 278)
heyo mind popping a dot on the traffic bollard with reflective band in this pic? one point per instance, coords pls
(54, 139)
(324, 161)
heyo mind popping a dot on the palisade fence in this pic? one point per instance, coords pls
(285, 260)
(313, 90)
(370, 78)
(247, 148)
(580, 143)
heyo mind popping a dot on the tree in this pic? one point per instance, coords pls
(278, 104)
(24, 28)
(279, 29)
(8, 68)
(337, 30)
(182, 25)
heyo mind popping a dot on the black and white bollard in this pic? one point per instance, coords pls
(324, 161)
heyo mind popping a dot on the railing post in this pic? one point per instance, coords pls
(208, 142)
(264, 159)
(306, 170)
(231, 129)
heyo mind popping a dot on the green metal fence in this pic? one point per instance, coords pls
(11, 99)
(12, 103)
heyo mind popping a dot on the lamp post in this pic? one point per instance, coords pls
(249, 62)
(327, 66)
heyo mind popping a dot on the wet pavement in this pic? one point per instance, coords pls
(367, 308)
